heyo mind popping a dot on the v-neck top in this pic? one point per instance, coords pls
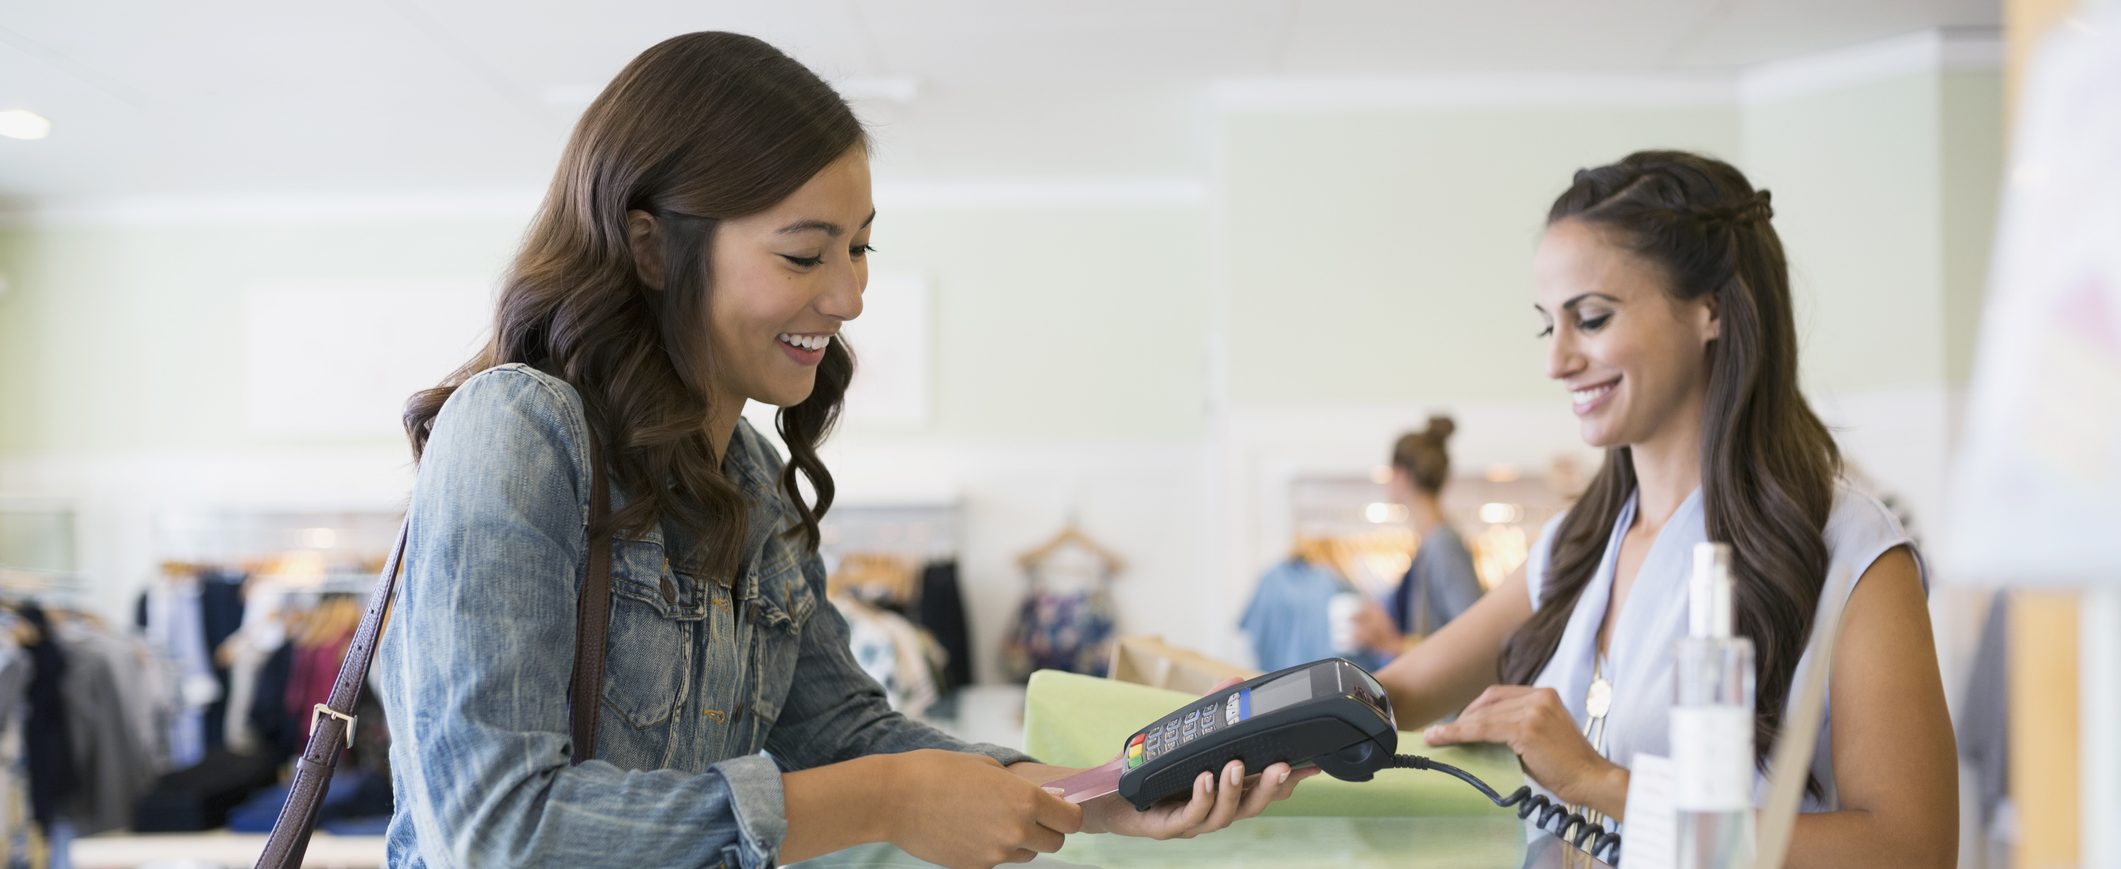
(1654, 616)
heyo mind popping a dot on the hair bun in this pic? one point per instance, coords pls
(1440, 428)
(1759, 209)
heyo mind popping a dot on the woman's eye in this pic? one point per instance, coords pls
(804, 261)
(860, 250)
(1591, 324)
(1547, 332)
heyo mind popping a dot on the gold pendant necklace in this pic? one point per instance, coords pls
(1597, 701)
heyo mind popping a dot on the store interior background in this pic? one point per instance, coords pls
(1149, 267)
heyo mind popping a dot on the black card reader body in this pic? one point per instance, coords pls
(1330, 714)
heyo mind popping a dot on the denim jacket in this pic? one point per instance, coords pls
(700, 675)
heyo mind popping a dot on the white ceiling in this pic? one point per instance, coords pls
(265, 97)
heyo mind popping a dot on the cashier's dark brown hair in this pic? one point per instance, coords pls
(1768, 464)
(699, 129)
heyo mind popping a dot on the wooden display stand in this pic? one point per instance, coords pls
(1148, 660)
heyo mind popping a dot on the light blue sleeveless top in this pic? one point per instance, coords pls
(1639, 662)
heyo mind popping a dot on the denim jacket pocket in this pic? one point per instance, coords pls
(783, 608)
(785, 600)
(654, 617)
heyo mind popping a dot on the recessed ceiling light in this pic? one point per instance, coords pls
(24, 124)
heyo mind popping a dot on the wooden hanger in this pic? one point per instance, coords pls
(877, 576)
(1070, 535)
(1318, 552)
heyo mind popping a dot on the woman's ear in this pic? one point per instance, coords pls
(1712, 317)
(644, 237)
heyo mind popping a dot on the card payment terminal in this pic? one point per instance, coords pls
(1331, 714)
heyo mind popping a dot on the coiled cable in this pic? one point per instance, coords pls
(1594, 839)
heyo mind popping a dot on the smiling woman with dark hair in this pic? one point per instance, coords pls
(705, 238)
(1665, 301)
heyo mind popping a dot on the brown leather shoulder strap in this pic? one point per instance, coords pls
(334, 719)
(332, 728)
(592, 618)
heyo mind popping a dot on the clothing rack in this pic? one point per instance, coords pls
(45, 587)
(271, 541)
(1499, 517)
(919, 531)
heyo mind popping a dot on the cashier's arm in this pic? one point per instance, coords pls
(1446, 671)
(1895, 763)
(1894, 759)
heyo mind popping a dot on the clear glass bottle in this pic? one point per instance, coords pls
(1712, 722)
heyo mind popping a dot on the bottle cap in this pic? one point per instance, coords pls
(1709, 593)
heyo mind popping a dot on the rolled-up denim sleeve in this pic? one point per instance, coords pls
(836, 712)
(477, 690)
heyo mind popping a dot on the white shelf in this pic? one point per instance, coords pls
(217, 848)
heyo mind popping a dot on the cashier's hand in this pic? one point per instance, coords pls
(1215, 803)
(1534, 724)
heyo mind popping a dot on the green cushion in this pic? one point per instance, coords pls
(1080, 721)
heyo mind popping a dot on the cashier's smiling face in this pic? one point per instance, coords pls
(1633, 359)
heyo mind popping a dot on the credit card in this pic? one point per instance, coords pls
(1091, 783)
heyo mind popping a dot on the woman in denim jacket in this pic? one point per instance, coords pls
(704, 239)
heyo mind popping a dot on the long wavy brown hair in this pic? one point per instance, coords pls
(699, 129)
(1768, 465)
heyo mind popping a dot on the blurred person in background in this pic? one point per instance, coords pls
(1441, 582)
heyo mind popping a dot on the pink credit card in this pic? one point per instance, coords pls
(1091, 783)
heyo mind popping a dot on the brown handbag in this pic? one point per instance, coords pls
(334, 720)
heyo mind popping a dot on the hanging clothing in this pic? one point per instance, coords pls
(104, 689)
(941, 611)
(316, 667)
(1639, 659)
(1288, 619)
(1068, 630)
(1438, 586)
(900, 656)
(275, 733)
(16, 830)
(262, 633)
(221, 615)
(51, 753)
(168, 612)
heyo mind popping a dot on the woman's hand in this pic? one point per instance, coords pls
(1534, 724)
(1216, 802)
(966, 810)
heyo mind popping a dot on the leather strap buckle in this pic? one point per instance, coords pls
(322, 709)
